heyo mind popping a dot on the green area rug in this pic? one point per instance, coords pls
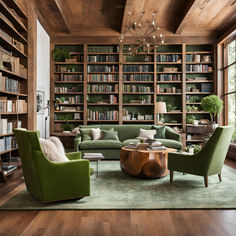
(115, 190)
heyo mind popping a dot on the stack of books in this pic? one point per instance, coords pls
(154, 145)
(7, 168)
(132, 146)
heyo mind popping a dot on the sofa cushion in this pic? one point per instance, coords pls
(86, 134)
(160, 131)
(100, 144)
(170, 143)
(109, 135)
(146, 134)
(128, 141)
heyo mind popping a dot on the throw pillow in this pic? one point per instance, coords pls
(110, 135)
(160, 131)
(86, 134)
(145, 133)
(58, 144)
(96, 133)
(51, 152)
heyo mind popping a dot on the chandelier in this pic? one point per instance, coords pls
(145, 33)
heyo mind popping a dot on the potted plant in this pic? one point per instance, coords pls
(59, 55)
(214, 105)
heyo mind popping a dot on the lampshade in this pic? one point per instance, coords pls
(160, 107)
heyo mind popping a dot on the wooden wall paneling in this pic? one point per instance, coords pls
(184, 87)
(120, 84)
(85, 75)
(52, 88)
(155, 84)
(32, 57)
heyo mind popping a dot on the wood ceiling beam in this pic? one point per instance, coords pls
(125, 16)
(65, 12)
(191, 6)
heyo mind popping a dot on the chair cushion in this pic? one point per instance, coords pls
(146, 134)
(51, 151)
(100, 144)
(58, 144)
(170, 143)
(160, 131)
(127, 141)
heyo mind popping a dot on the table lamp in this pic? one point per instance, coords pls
(160, 109)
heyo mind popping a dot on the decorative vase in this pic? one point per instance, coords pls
(212, 125)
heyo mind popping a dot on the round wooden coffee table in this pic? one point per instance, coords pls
(145, 163)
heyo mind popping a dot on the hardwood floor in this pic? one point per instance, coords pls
(111, 222)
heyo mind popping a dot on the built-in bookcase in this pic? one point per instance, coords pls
(115, 87)
(13, 82)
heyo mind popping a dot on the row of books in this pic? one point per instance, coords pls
(103, 49)
(7, 84)
(6, 126)
(198, 58)
(103, 88)
(146, 99)
(168, 58)
(12, 106)
(78, 88)
(169, 77)
(138, 68)
(106, 115)
(137, 77)
(168, 90)
(198, 68)
(102, 77)
(102, 68)
(69, 68)
(103, 58)
(135, 88)
(66, 77)
(73, 99)
(7, 143)
(72, 109)
(138, 58)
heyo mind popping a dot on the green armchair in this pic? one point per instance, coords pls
(208, 161)
(51, 181)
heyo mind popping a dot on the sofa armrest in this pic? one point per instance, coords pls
(77, 142)
(171, 134)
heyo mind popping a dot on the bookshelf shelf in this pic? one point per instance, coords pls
(13, 78)
(69, 82)
(72, 93)
(68, 111)
(9, 46)
(70, 104)
(68, 63)
(123, 67)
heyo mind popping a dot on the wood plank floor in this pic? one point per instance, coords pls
(120, 222)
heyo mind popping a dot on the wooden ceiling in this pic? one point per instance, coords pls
(109, 17)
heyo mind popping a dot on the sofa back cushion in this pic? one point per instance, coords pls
(124, 131)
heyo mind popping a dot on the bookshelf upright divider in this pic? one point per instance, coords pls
(85, 84)
(120, 83)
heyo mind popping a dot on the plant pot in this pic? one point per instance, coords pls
(212, 125)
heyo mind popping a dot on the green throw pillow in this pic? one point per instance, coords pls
(109, 135)
(86, 134)
(160, 131)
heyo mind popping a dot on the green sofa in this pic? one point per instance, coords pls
(51, 181)
(127, 134)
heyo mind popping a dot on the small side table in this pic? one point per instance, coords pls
(93, 157)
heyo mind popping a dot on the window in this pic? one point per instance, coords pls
(230, 83)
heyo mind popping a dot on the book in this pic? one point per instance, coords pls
(160, 148)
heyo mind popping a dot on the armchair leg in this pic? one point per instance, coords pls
(219, 176)
(171, 176)
(206, 181)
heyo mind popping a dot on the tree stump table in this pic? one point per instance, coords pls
(145, 163)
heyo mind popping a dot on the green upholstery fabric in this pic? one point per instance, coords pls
(51, 181)
(86, 134)
(109, 135)
(100, 144)
(128, 141)
(125, 132)
(160, 129)
(209, 160)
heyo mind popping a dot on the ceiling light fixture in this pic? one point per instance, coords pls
(145, 33)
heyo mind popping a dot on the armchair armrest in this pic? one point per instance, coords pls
(73, 155)
(77, 141)
(171, 134)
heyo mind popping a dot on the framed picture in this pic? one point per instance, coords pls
(40, 102)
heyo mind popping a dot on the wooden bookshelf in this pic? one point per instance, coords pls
(163, 56)
(14, 79)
